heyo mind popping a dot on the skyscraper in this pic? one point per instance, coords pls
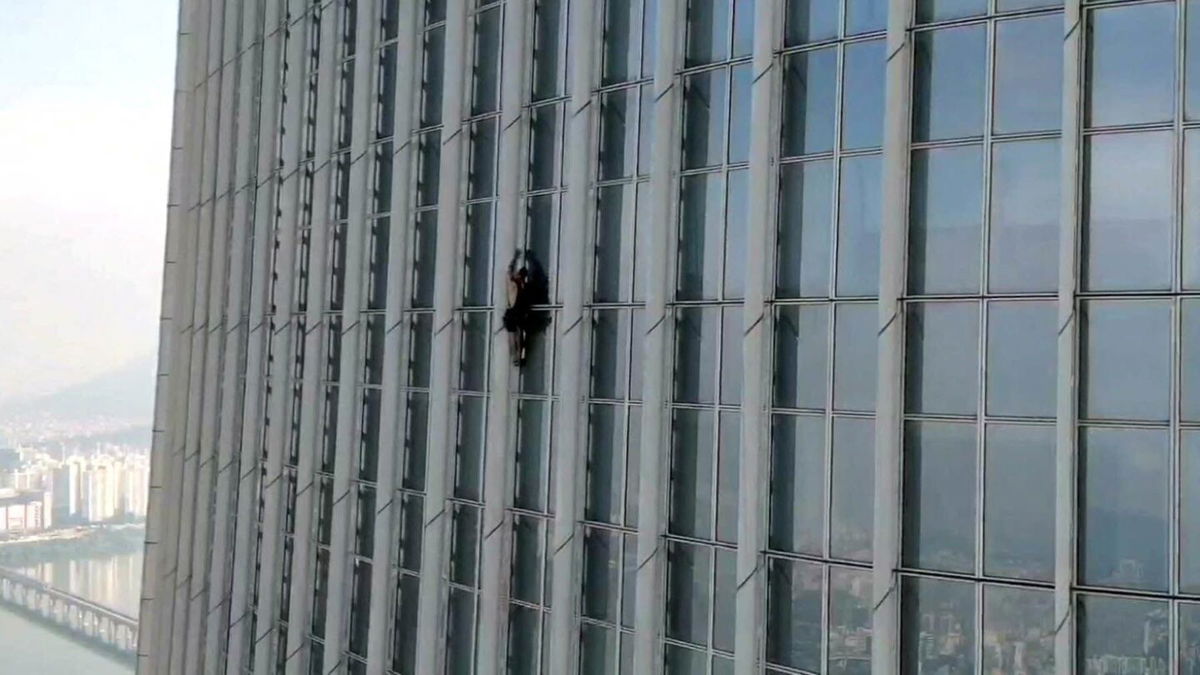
(872, 344)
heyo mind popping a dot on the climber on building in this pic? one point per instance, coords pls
(527, 287)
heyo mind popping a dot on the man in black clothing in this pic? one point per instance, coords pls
(527, 287)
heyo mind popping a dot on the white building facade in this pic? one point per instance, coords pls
(873, 341)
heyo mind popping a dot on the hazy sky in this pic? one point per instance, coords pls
(85, 117)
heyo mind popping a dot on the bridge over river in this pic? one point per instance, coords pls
(83, 619)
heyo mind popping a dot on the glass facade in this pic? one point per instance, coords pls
(861, 355)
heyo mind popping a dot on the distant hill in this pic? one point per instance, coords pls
(127, 392)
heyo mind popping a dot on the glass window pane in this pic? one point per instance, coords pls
(482, 180)
(797, 484)
(1018, 509)
(485, 82)
(1189, 366)
(949, 91)
(1028, 75)
(1189, 638)
(809, 101)
(707, 31)
(527, 559)
(1115, 631)
(863, 94)
(474, 352)
(850, 607)
(621, 33)
(601, 567)
(614, 207)
(597, 644)
(692, 449)
(610, 351)
(810, 21)
(460, 632)
(543, 147)
(939, 496)
(731, 355)
(468, 474)
(434, 72)
(929, 11)
(937, 628)
(1191, 203)
(737, 212)
(645, 129)
(1189, 513)
(728, 478)
(1123, 503)
(1126, 360)
(1022, 350)
(946, 220)
(739, 114)
(1131, 61)
(743, 33)
(464, 540)
(649, 36)
(801, 356)
(425, 258)
(633, 466)
(859, 218)
(942, 364)
(533, 422)
(605, 489)
(1014, 5)
(855, 356)
(428, 168)
(805, 221)
(852, 514)
(1024, 229)
(477, 260)
(696, 335)
(689, 578)
(547, 39)
(704, 105)
(1018, 630)
(701, 237)
(1129, 214)
(865, 16)
(618, 133)
(724, 590)
(794, 614)
(684, 661)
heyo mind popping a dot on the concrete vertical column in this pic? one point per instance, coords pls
(346, 455)
(167, 375)
(498, 472)
(279, 404)
(755, 463)
(183, 363)
(431, 627)
(570, 415)
(235, 334)
(890, 345)
(250, 453)
(1068, 331)
(655, 477)
(300, 601)
(391, 440)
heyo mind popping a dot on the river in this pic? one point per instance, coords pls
(29, 647)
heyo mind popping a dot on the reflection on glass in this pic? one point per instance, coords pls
(1131, 59)
(1018, 508)
(1125, 360)
(850, 606)
(696, 335)
(527, 563)
(618, 134)
(460, 632)
(474, 352)
(689, 571)
(939, 496)
(1118, 634)
(949, 88)
(865, 16)
(610, 350)
(524, 633)
(481, 182)
(704, 106)
(743, 32)
(941, 365)
(805, 222)
(728, 453)
(854, 356)
(621, 33)
(859, 217)
(863, 94)
(548, 33)
(1191, 196)
(937, 627)
(810, 21)
(684, 661)
(1189, 639)
(707, 31)
(851, 517)
(1130, 212)
(597, 644)
(1023, 252)
(731, 355)
(543, 147)
(794, 614)
(692, 451)
(1018, 631)
(739, 114)
(601, 567)
(801, 348)
(1123, 507)
(533, 421)
(464, 540)
(701, 241)
(940, 10)
(468, 474)
(945, 220)
(433, 71)
(1028, 75)
(724, 590)
(1013, 5)
(737, 211)
(485, 80)
(613, 203)
(797, 484)
(1022, 349)
(429, 157)
(1189, 512)
(809, 101)
(605, 489)
(477, 259)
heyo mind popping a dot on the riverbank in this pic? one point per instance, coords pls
(80, 543)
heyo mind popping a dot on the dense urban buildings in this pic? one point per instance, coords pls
(872, 345)
(40, 492)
